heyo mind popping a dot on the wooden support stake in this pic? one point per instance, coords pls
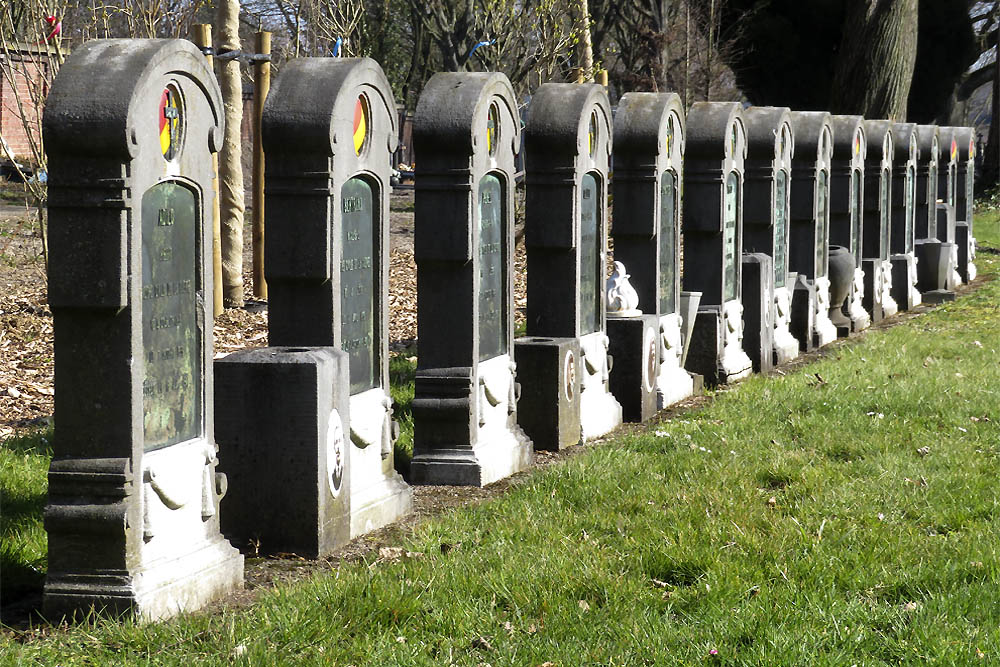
(262, 84)
(602, 77)
(202, 36)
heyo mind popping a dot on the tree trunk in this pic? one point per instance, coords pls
(230, 167)
(874, 67)
(586, 47)
(991, 160)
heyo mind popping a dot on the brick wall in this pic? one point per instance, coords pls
(26, 70)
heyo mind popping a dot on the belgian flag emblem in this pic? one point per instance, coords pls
(361, 120)
(170, 121)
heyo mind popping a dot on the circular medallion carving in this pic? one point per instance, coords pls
(362, 122)
(569, 374)
(649, 368)
(335, 453)
(171, 122)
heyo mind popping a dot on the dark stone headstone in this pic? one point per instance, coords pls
(466, 132)
(847, 209)
(933, 259)
(329, 129)
(766, 203)
(713, 239)
(965, 137)
(567, 148)
(133, 513)
(649, 158)
(286, 414)
(903, 216)
(809, 228)
(947, 207)
(875, 246)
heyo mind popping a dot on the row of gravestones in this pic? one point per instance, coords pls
(305, 426)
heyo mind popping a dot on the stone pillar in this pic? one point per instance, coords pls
(758, 310)
(809, 235)
(567, 149)
(133, 513)
(847, 184)
(465, 133)
(770, 146)
(903, 216)
(649, 159)
(947, 207)
(878, 211)
(283, 420)
(329, 130)
(713, 239)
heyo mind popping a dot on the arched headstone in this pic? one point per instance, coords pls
(465, 134)
(329, 129)
(878, 213)
(965, 137)
(770, 147)
(847, 185)
(809, 235)
(713, 239)
(649, 161)
(133, 514)
(933, 257)
(947, 208)
(567, 148)
(903, 218)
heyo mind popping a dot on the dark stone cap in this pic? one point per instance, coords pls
(927, 140)
(764, 127)
(814, 137)
(880, 144)
(845, 130)
(710, 125)
(310, 108)
(641, 123)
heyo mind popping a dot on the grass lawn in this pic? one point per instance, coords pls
(844, 513)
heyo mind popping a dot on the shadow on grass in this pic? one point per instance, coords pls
(402, 371)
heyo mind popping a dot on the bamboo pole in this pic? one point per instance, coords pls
(262, 83)
(202, 36)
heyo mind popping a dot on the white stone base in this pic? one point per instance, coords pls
(502, 448)
(600, 413)
(824, 330)
(184, 560)
(889, 305)
(956, 278)
(673, 383)
(379, 496)
(786, 346)
(735, 363)
(911, 277)
(860, 319)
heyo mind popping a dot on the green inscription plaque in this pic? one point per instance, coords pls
(492, 277)
(970, 177)
(822, 223)
(856, 216)
(590, 256)
(668, 242)
(780, 252)
(171, 337)
(729, 250)
(883, 214)
(911, 209)
(358, 268)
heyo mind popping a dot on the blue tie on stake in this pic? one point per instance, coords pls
(336, 47)
(483, 43)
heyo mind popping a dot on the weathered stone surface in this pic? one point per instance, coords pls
(878, 218)
(770, 146)
(649, 158)
(466, 133)
(329, 130)
(283, 420)
(809, 231)
(713, 237)
(965, 138)
(903, 216)
(567, 149)
(847, 184)
(133, 512)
